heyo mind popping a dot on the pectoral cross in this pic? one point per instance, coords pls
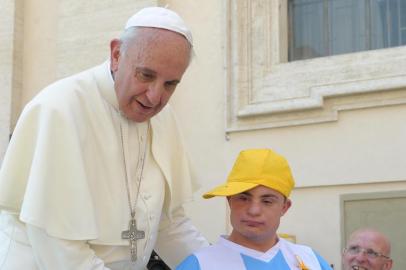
(132, 234)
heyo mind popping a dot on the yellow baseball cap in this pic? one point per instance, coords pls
(255, 167)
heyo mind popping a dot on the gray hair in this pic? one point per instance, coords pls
(127, 37)
(131, 34)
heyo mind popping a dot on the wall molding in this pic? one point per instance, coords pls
(266, 91)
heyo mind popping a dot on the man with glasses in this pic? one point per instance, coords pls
(367, 249)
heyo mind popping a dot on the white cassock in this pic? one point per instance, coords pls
(63, 182)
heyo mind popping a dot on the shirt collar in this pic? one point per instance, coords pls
(106, 85)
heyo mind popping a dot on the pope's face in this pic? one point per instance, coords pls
(148, 71)
(255, 216)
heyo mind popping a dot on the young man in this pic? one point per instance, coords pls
(367, 249)
(96, 173)
(257, 191)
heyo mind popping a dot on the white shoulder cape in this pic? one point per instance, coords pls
(64, 160)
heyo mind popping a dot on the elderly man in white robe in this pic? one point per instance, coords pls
(96, 174)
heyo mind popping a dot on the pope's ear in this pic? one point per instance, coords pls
(115, 46)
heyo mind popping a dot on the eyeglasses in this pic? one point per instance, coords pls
(371, 254)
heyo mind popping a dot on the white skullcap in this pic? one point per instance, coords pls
(158, 17)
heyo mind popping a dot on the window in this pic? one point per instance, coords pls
(266, 90)
(330, 27)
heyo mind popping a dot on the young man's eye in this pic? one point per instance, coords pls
(146, 76)
(242, 198)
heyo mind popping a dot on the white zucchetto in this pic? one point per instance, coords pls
(159, 17)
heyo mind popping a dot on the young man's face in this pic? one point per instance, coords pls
(255, 217)
(147, 73)
(366, 250)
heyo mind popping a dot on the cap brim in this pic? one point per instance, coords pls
(229, 189)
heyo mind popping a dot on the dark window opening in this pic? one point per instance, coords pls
(320, 28)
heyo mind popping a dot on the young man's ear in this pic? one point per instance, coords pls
(286, 206)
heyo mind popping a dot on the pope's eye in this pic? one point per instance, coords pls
(144, 76)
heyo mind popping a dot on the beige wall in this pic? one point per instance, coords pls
(6, 56)
(11, 37)
(328, 159)
(363, 151)
(39, 54)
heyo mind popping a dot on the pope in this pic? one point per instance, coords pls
(96, 172)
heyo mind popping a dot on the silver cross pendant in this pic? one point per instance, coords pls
(132, 234)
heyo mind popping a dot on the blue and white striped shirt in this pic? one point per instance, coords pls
(229, 255)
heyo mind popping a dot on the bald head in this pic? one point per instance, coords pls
(374, 237)
(367, 249)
